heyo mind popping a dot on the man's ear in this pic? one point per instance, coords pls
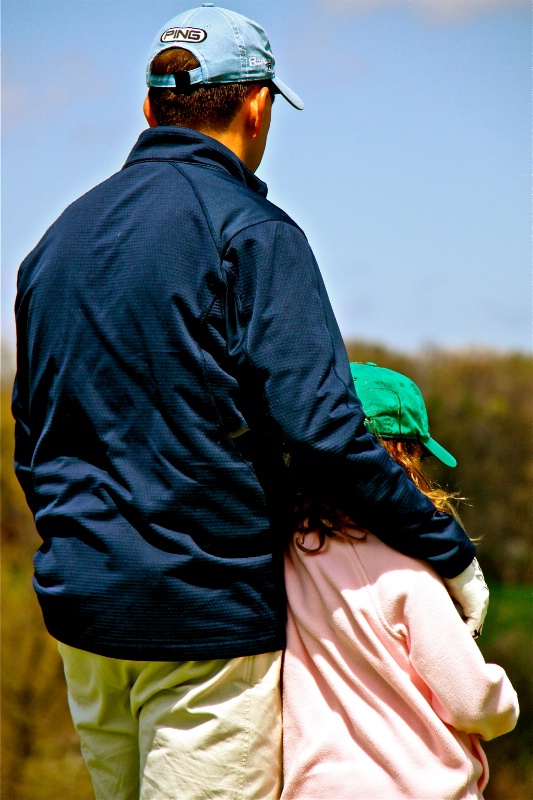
(257, 101)
(148, 113)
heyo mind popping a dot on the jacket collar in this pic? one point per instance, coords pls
(168, 143)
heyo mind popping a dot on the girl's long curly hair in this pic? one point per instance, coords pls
(314, 515)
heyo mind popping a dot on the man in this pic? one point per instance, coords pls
(175, 338)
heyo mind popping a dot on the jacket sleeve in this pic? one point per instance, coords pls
(23, 449)
(468, 694)
(284, 338)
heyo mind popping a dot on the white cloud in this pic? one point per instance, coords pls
(432, 11)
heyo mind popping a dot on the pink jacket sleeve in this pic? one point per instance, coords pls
(467, 693)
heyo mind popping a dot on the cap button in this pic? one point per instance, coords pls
(208, 5)
(371, 364)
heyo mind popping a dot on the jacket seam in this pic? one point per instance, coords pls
(202, 206)
(247, 227)
(175, 166)
(204, 317)
(206, 314)
(317, 287)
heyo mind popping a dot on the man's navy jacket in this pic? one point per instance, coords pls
(164, 313)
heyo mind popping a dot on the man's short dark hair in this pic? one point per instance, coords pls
(201, 107)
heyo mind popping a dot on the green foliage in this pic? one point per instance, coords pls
(479, 407)
(40, 749)
(506, 640)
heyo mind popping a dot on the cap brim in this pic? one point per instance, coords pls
(288, 94)
(439, 452)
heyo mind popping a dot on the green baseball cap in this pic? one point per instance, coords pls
(395, 408)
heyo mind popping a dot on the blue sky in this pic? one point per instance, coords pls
(409, 169)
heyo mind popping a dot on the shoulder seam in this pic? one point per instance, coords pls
(288, 222)
(200, 203)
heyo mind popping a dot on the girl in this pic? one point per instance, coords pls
(385, 693)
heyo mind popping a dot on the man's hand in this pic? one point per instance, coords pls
(472, 594)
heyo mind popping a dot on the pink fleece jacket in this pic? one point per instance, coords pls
(385, 694)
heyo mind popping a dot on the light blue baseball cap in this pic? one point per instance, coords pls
(230, 48)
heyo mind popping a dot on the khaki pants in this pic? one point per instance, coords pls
(188, 730)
